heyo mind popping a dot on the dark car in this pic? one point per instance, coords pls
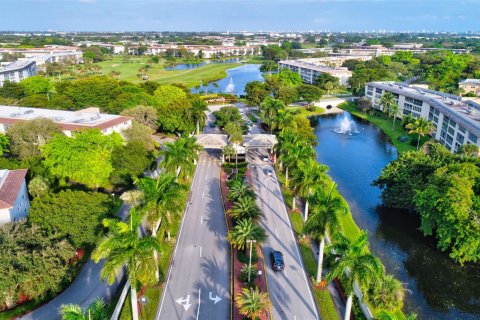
(276, 257)
(212, 125)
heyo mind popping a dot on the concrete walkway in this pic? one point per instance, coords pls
(86, 287)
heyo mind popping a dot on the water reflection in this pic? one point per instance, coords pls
(437, 287)
(186, 66)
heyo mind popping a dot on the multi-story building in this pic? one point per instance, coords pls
(470, 86)
(14, 203)
(310, 71)
(456, 122)
(68, 121)
(17, 71)
(207, 51)
(74, 52)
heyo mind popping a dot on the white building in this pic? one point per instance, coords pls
(456, 122)
(68, 121)
(309, 71)
(17, 71)
(14, 203)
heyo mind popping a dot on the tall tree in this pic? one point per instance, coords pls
(421, 127)
(245, 230)
(325, 209)
(245, 208)
(386, 101)
(308, 175)
(180, 156)
(197, 114)
(363, 268)
(145, 115)
(235, 135)
(123, 247)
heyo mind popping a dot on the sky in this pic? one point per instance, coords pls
(239, 15)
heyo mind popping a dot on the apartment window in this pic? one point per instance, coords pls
(378, 90)
(460, 138)
(472, 137)
(461, 129)
(451, 130)
(369, 88)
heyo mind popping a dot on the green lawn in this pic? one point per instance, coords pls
(302, 111)
(385, 124)
(191, 77)
(256, 60)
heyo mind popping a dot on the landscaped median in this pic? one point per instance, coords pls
(240, 258)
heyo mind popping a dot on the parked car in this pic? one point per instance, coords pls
(276, 258)
(265, 158)
(268, 171)
(211, 124)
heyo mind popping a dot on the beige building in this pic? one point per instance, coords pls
(309, 71)
(68, 121)
(456, 121)
(470, 85)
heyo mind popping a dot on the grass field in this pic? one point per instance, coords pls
(302, 111)
(191, 77)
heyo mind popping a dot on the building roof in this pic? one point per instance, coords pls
(259, 140)
(11, 182)
(212, 141)
(471, 81)
(17, 65)
(67, 120)
(314, 66)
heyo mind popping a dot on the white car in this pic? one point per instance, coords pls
(268, 171)
(265, 158)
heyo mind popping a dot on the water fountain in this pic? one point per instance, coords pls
(230, 86)
(347, 126)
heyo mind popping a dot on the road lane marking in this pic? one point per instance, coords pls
(185, 303)
(203, 193)
(198, 309)
(201, 220)
(216, 298)
(200, 252)
(276, 232)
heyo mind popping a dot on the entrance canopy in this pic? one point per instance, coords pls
(212, 141)
(259, 141)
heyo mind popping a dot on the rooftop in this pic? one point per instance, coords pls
(313, 66)
(454, 106)
(10, 183)
(475, 81)
(68, 120)
(17, 65)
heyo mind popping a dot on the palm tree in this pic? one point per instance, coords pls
(306, 177)
(393, 113)
(282, 120)
(123, 247)
(421, 126)
(196, 113)
(387, 294)
(235, 136)
(95, 311)
(353, 259)
(180, 155)
(252, 303)
(268, 66)
(245, 208)
(386, 101)
(243, 231)
(163, 197)
(292, 154)
(325, 208)
(238, 189)
(229, 151)
(269, 109)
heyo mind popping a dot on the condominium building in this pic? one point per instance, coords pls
(309, 71)
(456, 122)
(17, 71)
(14, 202)
(470, 86)
(68, 121)
(207, 51)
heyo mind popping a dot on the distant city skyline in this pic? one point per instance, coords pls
(240, 15)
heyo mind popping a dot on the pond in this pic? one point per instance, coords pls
(235, 80)
(437, 288)
(186, 66)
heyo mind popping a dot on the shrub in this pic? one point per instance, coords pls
(244, 273)
(244, 256)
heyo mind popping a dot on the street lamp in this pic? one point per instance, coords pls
(250, 259)
(113, 197)
(144, 301)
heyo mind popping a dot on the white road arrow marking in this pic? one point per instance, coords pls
(216, 299)
(185, 303)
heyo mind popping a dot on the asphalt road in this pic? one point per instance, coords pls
(198, 284)
(84, 289)
(289, 290)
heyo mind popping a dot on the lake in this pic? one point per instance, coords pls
(235, 80)
(186, 66)
(437, 288)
